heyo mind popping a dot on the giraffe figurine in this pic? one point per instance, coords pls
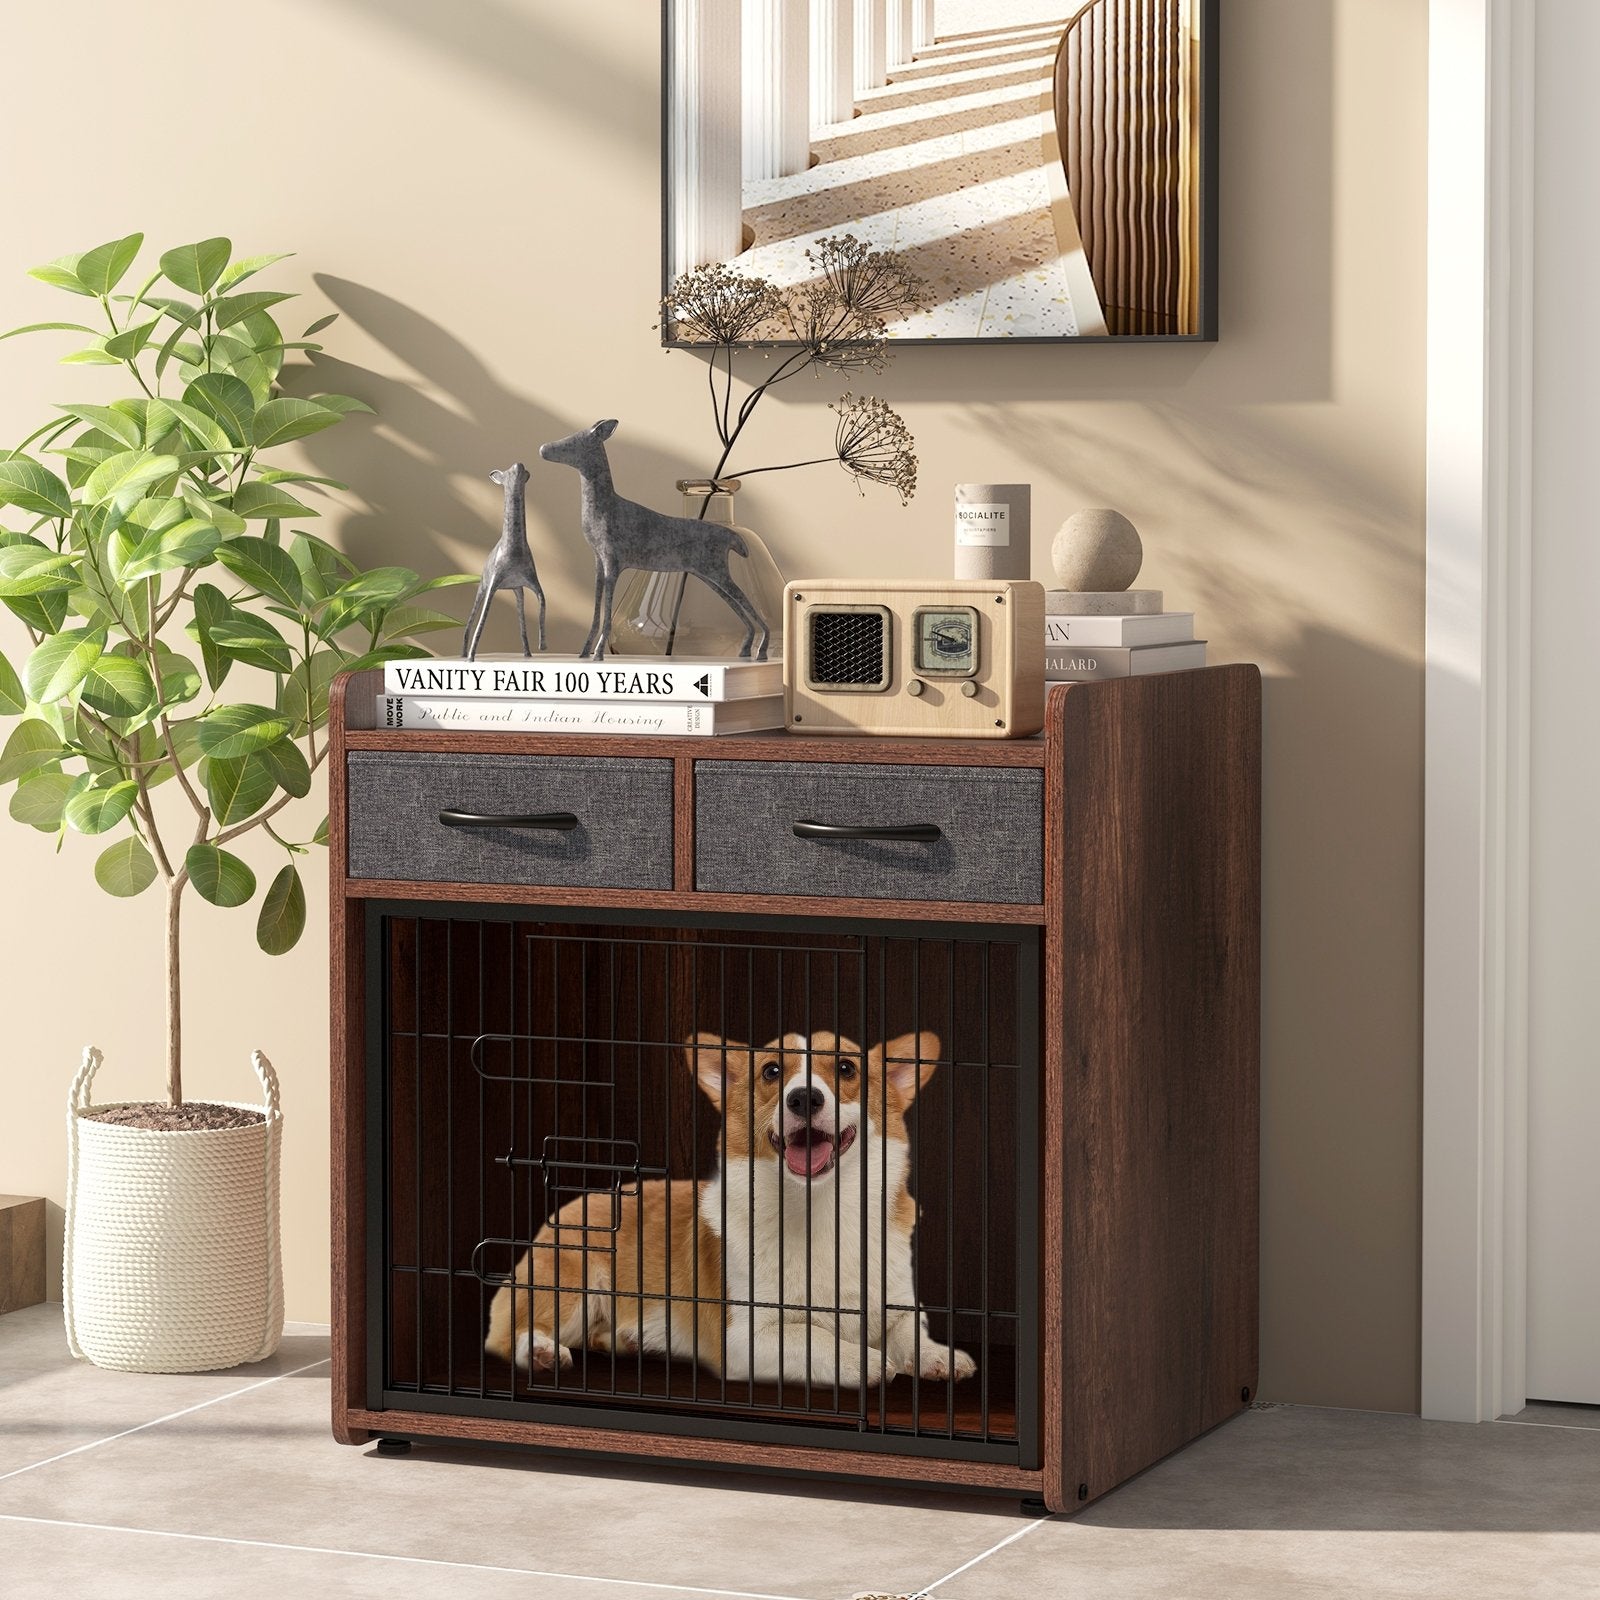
(510, 564)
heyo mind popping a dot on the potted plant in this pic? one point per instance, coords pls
(179, 629)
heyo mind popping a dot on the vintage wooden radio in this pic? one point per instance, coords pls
(944, 659)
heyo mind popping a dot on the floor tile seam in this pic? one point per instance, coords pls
(171, 1416)
(384, 1555)
(983, 1555)
(1560, 1427)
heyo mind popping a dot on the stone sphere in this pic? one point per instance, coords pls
(1097, 550)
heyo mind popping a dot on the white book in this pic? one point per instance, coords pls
(1164, 627)
(576, 716)
(674, 678)
(1111, 661)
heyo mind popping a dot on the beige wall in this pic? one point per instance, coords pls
(475, 187)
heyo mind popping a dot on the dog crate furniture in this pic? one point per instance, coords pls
(526, 930)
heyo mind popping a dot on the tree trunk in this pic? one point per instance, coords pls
(174, 1000)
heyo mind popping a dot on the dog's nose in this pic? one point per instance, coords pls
(803, 1101)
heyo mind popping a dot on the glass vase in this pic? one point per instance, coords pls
(675, 614)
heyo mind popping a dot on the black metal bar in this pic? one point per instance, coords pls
(450, 1155)
(983, 1231)
(949, 1189)
(548, 821)
(416, 1133)
(924, 832)
(483, 1350)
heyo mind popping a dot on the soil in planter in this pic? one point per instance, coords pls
(191, 1117)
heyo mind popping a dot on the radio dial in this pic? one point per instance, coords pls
(968, 687)
(916, 686)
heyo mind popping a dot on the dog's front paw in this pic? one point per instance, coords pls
(940, 1365)
(538, 1352)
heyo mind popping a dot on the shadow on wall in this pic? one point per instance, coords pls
(452, 422)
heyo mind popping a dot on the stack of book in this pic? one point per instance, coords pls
(1079, 647)
(564, 694)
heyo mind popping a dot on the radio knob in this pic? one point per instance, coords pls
(968, 687)
(916, 686)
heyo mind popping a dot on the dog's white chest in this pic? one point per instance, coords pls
(804, 1250)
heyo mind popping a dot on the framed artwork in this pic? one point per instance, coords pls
(1045, 171)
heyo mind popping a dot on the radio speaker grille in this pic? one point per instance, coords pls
(847, 647)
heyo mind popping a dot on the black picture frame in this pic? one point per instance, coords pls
(1209, 226)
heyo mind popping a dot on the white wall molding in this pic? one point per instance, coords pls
(1475, 902)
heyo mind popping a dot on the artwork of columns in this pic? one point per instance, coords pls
(872, 43)
(777, 88)
(1042, 169)
(704, 166)
(898, 30)
(833, 61)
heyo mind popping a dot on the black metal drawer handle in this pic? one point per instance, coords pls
(554, 821)
(806, 829)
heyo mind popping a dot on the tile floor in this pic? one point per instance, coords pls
(115, 1487)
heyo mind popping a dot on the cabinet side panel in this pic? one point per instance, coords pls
(1155, 998)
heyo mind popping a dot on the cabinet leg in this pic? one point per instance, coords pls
(394, 1447)
(1034, 1506)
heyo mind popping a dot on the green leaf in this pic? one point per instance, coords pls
(206, 509)
(201, 427)
(253, 641)
(232, 731)
(283, 913)
(47, 327)
(100, 810)
(382, 586)
(190, 543)
(33, 743)
(279, 421)
(100, 270)
(305, 691)
(40, 800)
(44, 611)
(320, 324)
(31, 487)
(265, 566)
(210, 606)
(238, 788)
(125, 868)
(107, 419)
(195, 267)
(118, 686)
(180, 677)
(290, 769)
(258, 371)
(227, 399)
(60, 664)
(62, 273)
(405, 622)
(257, 501)
(93, 355)
(344, 404)
(234, 308)
(12, 697)
(124, 478)
(286, 475)
(34, 569)
(247, 267)
(321, 835)
(127, 344)
(218, 876)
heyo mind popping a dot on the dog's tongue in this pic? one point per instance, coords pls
(805, 1157)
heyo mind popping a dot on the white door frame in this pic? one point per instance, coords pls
(1475, 897)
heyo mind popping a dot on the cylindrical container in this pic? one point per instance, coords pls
(172, 1260)
(993, 525)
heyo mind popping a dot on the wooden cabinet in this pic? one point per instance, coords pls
(1071, 920)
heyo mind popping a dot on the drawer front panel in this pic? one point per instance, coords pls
(622, 838)
(990, 821)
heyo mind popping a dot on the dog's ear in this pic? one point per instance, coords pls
(909, 1061)
(715, 1061)
(497, 477)
(603, 429)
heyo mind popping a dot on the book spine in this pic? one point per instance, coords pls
(1079, 665)
(1076, 633)
(582, 680)
(537, 716)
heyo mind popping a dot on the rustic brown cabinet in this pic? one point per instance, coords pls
(1075, 917)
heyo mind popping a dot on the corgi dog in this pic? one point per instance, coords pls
(785, 1235)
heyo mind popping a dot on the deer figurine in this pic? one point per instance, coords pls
(624, 534)
(510, 564)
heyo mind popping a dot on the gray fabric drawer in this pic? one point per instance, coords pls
(991, 823)
(624, 808)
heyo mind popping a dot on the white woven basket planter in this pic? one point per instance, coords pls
(172, 1261)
